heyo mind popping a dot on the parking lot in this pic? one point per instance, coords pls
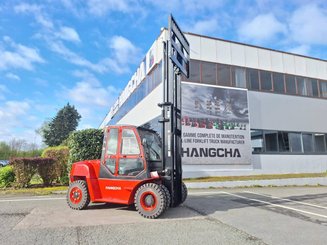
(277, 215)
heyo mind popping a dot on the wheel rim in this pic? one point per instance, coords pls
(75, 195)
(148, 201)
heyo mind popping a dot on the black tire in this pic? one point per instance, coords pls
(78, 196)
(184, 192)
(150, 200)
(168, 196)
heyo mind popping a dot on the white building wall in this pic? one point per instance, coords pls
(220, 51)
(286, 112)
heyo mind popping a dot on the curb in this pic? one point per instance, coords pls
(251, 183)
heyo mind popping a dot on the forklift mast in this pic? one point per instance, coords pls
(176, 62)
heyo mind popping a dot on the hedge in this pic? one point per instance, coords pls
(25, 168)
(7, 176)
(61, 155)
(85, 145)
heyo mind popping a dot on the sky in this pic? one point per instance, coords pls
(83, 52)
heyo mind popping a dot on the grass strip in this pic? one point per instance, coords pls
(33, 191)
(255, 177)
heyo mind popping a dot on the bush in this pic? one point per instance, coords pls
(85, 145)
(25, 168)
(46, 170)
(7, 176)
(61, 155)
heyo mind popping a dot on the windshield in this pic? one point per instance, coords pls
(152, 146)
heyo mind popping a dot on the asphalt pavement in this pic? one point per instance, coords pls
(279, 215)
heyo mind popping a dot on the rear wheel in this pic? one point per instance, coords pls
(150, 200)
(78, 196)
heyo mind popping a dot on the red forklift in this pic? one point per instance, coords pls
(138, 165)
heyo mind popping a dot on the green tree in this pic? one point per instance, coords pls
(59, 128)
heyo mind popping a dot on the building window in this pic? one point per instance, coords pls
(312, 87)
(209, 71)
(319, 142)
(278, 80)
(265, 79)
(295, 142)
(224, 75)
(239, 77)
(307, 142)
(271, 141)
(274, 142)
(253, 79)
(194, 71)
(290, 84)
(257, 141)
(283, 142)
(323, 89)
(302, 86)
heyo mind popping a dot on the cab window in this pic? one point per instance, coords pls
(112, 149)
(129, 143)
(112, 142)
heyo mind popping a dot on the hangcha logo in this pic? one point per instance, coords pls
(114, 188)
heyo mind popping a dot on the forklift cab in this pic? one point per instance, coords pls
(130, 151)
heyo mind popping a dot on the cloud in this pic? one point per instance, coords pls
(3, 91)
(41, 82)
(91, 98)
(90, 94)
(102, 7)
(308, 25)
(187, 7)
(89, 91)
(14, 55)
(36, 11)
(68, 34)
(261, 28)
(62, 32)
(301, 49)
(10, 117)
(102, 66)
(12, 76)
(124, 51)
(19, 119)
(204, 27)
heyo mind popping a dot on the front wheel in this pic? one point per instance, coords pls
(168, 196)
(184, 192)
(150, 200)
(78, 196)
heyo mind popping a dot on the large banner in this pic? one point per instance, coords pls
(215, 125)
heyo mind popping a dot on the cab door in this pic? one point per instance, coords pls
(131, 162)
(111, 151)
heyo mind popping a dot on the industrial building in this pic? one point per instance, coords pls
(285, 97)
